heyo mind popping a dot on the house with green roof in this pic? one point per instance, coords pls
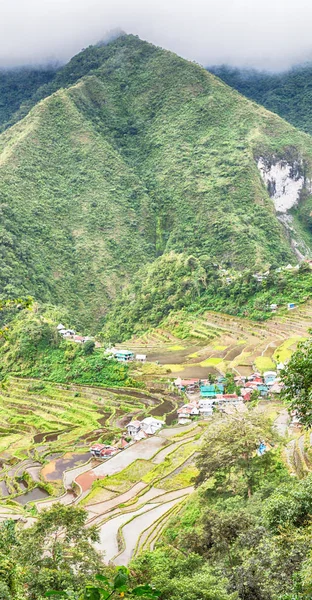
(210, 391)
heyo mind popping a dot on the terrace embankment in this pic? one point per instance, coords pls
(55, 433)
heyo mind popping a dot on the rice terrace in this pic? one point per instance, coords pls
(47, 429)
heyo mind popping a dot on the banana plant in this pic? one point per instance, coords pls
(106, 589)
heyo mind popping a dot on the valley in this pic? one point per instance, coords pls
(47, 429)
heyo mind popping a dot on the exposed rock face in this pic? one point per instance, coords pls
(284, 182)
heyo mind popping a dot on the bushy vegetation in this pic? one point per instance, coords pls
(176, 286)
(288, 94)
(256, 545)
(137, 153)
(31, 347)
(18, 85)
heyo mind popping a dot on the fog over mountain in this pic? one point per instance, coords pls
(241, 32)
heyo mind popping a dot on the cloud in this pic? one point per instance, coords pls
(271, 34)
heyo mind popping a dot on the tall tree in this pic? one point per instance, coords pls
(297, 377)
(56, 552)
(230, 449)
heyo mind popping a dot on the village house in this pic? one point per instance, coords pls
(141, 429)
(210, 391)
(187, 385)
(140, 358)
(133, 428)
(206, 406)
(103, 451)
(124, 355)
(186, 412)
(150, 425)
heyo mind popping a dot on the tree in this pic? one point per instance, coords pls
(230, 446)
(181, 577)
(88, 347)
(297, 378)
(107, 588)
(56, 552)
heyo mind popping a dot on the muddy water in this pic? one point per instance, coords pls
(35, 494)
(103, 420)
(171, 417)
(68, 461)
(3, 489)
(163, 408)
(234, 352)
(47, 437)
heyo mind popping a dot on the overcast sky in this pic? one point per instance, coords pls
(269, 34)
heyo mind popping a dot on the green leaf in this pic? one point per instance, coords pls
(102, 578)
(145, 590)
(121, 578)
(94, 593)
(54, 593)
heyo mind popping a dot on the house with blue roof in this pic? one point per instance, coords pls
(210, 391)
(124, 355)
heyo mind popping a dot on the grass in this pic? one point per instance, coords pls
(264, 363)
(170, 463)
(181, 480)
(210, 362)
(175, 347)
(174, 368)
(284, 351)
(123, 481)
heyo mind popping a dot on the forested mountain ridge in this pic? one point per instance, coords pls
(18, 86)
(289, 94)
(145, 154)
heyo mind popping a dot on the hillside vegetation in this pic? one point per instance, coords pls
(145, 154)
(32, 347)
(176, 281)
(289, 94)
(18, 86)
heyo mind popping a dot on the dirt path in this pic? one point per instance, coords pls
(281, 423)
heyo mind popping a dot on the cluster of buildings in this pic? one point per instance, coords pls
(204, 397)
(70, 334)
(136, 431)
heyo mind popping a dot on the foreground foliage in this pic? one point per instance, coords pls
(258, 547)
(229, 453)
(54, 553)
(118, 587)
(297, 377)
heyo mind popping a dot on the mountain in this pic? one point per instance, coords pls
(140, 153)
(289, 94)
(18, 86)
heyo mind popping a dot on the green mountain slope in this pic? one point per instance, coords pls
(18, 85)
(289, 94)
(146, 154)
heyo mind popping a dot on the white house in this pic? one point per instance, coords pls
(140, 357)
(150, 425)
(133, 428)
(206, 406)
